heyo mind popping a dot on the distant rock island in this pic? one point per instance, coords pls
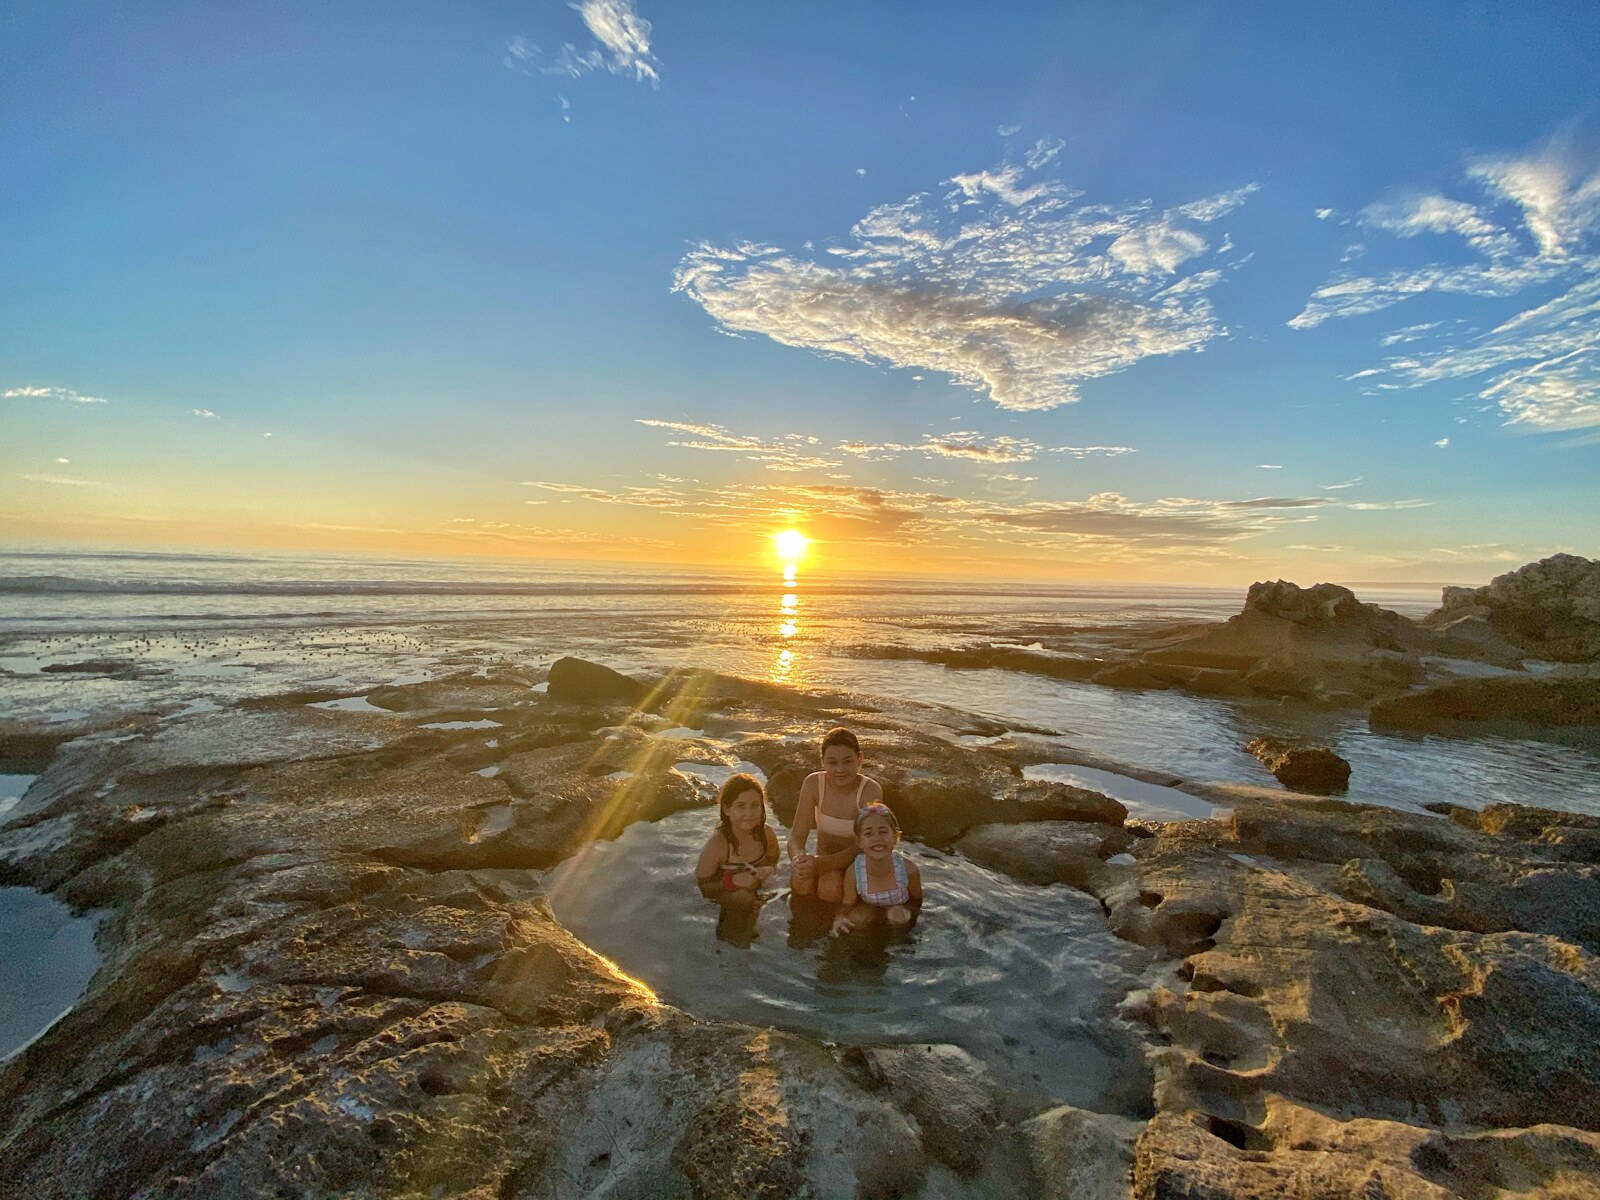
(330, 967)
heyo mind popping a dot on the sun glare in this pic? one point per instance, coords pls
(791, 545)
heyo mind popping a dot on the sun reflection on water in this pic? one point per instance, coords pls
(783, 664)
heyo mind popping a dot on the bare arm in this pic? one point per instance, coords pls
(914, 884)
(805, 813)
(849, 903)
(711, 859)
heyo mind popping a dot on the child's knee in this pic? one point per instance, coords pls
(831, 887)
(899, 916)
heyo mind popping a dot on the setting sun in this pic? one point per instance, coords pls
(790, 544)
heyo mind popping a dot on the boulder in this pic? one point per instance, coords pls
(1304, 768)
(1070, 852)
(578, 681)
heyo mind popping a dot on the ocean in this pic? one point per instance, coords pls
(83, 634)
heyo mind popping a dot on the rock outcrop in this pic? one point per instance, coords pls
(1549, 609)
(1560, 707)
(1318, 643)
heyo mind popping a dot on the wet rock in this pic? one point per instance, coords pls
(1041, 800)
(949, 1094)
(1304, 768)
(578, 681)
(1043, 852)
(1548, 706)
(1081, 1155)
(1549, 609)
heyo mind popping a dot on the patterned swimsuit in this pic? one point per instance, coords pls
(899, 894)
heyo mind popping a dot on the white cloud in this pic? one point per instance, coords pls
(1438, 214)
(788, 452)
(203, 413)
(1004, 282)
(621, 46)
(861, 172)
(1269, 466)
(1219, 205)
(1322, 214)
(50, 393)
(624, 34)
(1042, 152)
(1442, 443)
(63, 460)
(1010, 130)
(63, 480)
(1539, 366)
(1385, 505)
(1337, 487)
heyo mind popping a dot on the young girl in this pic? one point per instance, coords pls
(883, 880)
(742, 853)
(829, 801)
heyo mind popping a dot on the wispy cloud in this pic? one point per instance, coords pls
(798, 451)
(203, 413)
(1533, 232)
(637, 496)
(789, 452)
(63, 480)
(1003, 280)
(50, 393)
(1336, 487)
(621, 46)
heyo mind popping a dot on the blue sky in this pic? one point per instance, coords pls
(1212, 292)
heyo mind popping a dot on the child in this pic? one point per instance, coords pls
(883, 880)
(742, 853)
(829, 801)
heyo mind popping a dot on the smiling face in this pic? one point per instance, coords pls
(841, 764)
(746, 812)
(876, 835)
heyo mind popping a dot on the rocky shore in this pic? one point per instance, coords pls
(329, 968)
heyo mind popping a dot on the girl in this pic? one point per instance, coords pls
(742, 853)
(883, 880)
(829, 801)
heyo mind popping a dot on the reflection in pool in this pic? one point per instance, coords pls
(1025, 978)
(47, 958)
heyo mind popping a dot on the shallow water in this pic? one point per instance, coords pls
(1025, 978)
(47, 958)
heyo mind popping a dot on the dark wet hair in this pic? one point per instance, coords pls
(737, 786)
(840, 736)
(876, 810)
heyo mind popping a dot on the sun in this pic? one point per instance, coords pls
(791, 545)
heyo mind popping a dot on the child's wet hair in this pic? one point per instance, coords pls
(736, 786)
(877, 810)
(840, 736)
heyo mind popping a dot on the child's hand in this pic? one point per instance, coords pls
(744, 880)
(899, 916)
(842, 924)
(765, 873)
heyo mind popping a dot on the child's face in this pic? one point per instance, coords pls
(876, 836)
(841, 764)
(745, 812)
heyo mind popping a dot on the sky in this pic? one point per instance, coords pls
(1207, 293)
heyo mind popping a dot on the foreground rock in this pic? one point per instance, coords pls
(1304, 768)
(1549, 609)
(330, 970)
